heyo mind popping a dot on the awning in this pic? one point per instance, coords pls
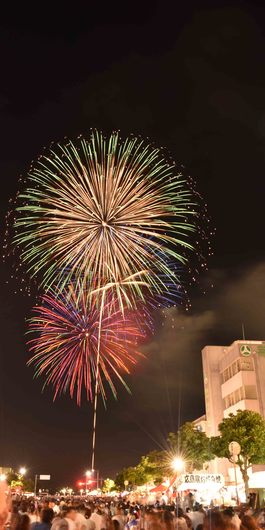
(163, 487)
(159, 488)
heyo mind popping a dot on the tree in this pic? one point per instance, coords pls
(192, 445)
(16, 480)
(128, 474)
(28, 484)
(248, 429)
(155, 465)
(150, 468)
(120, 479)
(108, 485)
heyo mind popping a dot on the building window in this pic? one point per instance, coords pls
(244, 392)
(250, 392)
(245, 364)
(237, 366)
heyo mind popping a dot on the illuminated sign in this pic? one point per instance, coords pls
(199, 480)
(245, 350)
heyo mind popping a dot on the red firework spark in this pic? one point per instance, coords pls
(68, 328)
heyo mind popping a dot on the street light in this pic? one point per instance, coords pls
(177, 464)
(97, 472)
(22, 471)
(2, 477)
(90, 473)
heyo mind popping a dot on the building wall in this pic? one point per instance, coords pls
(212, 387)
(234, 379)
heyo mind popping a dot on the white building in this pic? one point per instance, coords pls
(234, 378)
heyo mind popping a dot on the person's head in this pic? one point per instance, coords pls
(217, 521)
(47, 515)
(115, 524)
(70, 512)
(229, 512)
(23, 522)
(23, 507)
(88, 513)
(168, 516)
(179, 512)
(249, 522)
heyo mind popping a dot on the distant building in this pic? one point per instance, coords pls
(234, 378)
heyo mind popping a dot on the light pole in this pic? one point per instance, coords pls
(35, 485)
(22, 472)
(177, 465)
(88, 474)
(97, 471)
(91, 473)
(234, 450)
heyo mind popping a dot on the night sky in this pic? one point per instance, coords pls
(192, 79)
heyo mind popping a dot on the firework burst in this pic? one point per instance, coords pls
(79, 342)
(107, 208)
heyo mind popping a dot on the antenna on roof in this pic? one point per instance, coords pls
(243, 332)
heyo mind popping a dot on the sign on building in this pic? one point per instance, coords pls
(245, 350)
(199, 481)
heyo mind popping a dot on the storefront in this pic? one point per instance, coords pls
(203, 488)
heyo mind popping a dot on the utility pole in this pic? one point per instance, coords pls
(35, 485)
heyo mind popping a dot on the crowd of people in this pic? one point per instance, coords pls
(102, 514)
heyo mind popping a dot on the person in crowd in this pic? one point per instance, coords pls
(180, 521)
(70, 517)
(188, 519)
(196, 517)
(119, 517)
(261, 519)
(33, 513)
(232, 517)
(22, 522)
(115, 524)
(132, 521)
(45, 523)
(248, 523)
(216, 520)
(80, 520)
(89, 523)
(97, 517)
(168, 519)
(54, 506)
(59, 522)
(23, 508)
